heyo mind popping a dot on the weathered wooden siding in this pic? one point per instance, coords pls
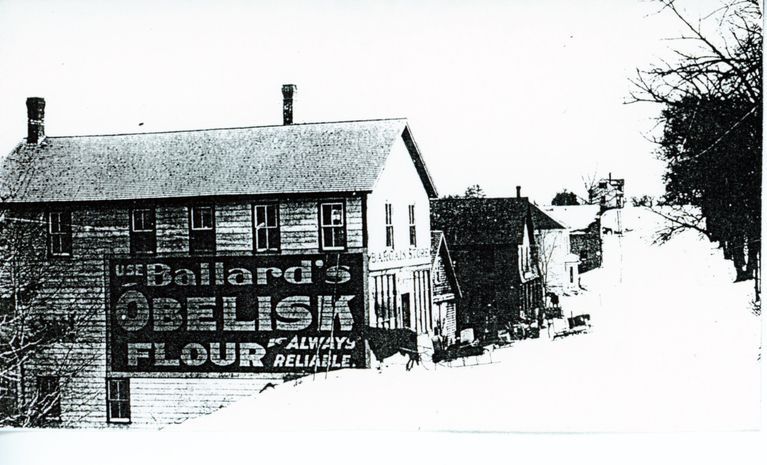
(172, 229)
(77, 285)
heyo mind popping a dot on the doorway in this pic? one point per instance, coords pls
(406, 310)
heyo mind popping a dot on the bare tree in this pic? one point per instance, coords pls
(39, 326)
(547, 248)
(590, 182)
(711, 98)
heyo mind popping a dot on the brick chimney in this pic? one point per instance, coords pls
(288, 90)
(519, 191)
(35, 120)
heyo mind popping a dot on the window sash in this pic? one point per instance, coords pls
(60, 233)
(142, 220)
(118, 400)
(388, 226)
(332, 214)
(332, 227)
(266, 227)
(202, 218)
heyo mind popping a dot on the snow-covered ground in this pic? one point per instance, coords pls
(674, 346)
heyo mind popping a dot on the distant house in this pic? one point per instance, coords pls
(494, 250)
(447, 292)
(608, 193)
(583, 223)
(558, 266)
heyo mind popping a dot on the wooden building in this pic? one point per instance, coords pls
(608, 193)
(584, 226)
(557, 264)
(493, 246)
(447, 291)
(200, 266)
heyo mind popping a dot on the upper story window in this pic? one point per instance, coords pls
(266, 228)
(439, 271)
(389, 226)
(332, 226)
(202, 229)
(524, 258)
(411, 224)
(49, 396)
(60, 233)
(143, 231)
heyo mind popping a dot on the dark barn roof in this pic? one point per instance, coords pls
(268, 160)
(480, 221)
(544, 221)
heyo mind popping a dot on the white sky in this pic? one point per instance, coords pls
(497, 93)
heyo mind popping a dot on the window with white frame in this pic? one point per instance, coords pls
(332, 226)
(118, 400)
(143, 236)
(411, 224)
(389, 226)
(202, 229)
(266, 227)
(60, 233)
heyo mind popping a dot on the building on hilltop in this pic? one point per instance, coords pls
(608, 193)
(213, 262)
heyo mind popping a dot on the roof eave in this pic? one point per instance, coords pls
(420, 165)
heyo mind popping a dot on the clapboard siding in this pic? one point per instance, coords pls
(234, 227)
(188, 398)
(172, 229)
(77, 286)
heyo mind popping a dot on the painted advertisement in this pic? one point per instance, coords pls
(276, 313)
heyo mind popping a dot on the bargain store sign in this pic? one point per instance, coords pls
(277, 313)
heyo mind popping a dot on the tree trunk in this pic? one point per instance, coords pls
(739, 261)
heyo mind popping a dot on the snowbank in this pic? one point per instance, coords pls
(674, 346)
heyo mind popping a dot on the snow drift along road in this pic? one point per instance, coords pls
(674, 346)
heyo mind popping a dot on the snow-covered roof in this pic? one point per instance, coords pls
(573, 216)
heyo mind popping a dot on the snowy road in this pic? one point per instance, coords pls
(674, 346)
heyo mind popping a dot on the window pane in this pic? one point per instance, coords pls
(55, 221)
(271, 216)
(340, 237)
(202, 218)
(274, 238)
(338, 215)
(261, 238)
(207, 218)
(326, 214)
(260, 216)
(66, 222)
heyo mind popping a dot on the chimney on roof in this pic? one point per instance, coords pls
(288, 90)
(519, 191)
(35, 120)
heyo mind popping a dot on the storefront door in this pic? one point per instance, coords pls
(406, 310)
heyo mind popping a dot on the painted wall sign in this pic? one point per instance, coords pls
(399, 257)
(278, 313)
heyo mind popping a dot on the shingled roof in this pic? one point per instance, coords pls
(480, 221)
(544, 221)
(267, 160)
